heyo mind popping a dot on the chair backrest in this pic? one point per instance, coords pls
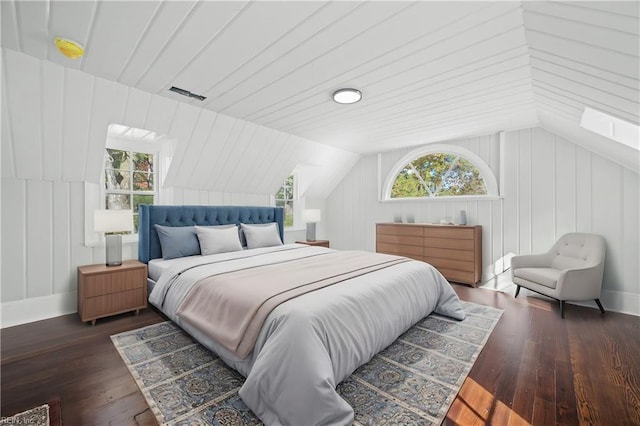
(578, 250)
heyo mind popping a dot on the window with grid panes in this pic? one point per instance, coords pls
(129, 180)
(286, 198)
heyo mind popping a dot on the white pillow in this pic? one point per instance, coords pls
(218, 240)
(262, 235)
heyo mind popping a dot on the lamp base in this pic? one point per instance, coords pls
(311, 231)
(114, 250)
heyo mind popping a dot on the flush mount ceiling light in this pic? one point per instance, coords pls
(347, 96)
(69, 48)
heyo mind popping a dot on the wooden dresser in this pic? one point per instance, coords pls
(455, 250)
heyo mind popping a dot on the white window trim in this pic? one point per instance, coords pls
(484, 169)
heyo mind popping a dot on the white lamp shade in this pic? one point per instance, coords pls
(311, 216)
(113, 220)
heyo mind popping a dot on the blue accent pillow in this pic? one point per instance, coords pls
(178, 241)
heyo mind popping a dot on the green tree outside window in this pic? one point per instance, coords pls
(129, 179)
(438, 175)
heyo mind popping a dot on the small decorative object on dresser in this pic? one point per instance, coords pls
(104, 291)
(321, 243)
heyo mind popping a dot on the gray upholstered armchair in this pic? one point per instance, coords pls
(571, 270)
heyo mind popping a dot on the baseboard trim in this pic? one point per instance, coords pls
(37, 308)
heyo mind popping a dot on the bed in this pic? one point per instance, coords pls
(303, 336)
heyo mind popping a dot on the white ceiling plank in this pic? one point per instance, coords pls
(201, 132)
(396, 93)
(355, 52)
(606, 38)
(267, 138)
(324, 46)
(204, 23)
(110, 45)
(168, 21)
(576, 11)
(629, 101)
(417, 60)
(181, 128)
(584, 53)
(624, 8)
(9, 32)
(586, 99)
(109, 99)
(239, 42)
(23, 96)
(78, 91)
(71, 20)
(52, 119)
(137, 109)
(386, 81)
(161, 111)
(222, 156)
(278, 51)
(612, 85)
(209, 156)
(264, 167)
(33, 22)
(231, 164)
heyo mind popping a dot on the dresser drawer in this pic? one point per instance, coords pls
(405, 229)
(114, 303)
(115, 282)
(464, 255)
(450, 264)
(449, 232)
(407, 240)
(400, 249)
(449, 243)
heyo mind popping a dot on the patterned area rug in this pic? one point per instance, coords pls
(413, 381)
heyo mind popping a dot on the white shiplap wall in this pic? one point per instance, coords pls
(551, 186)
(54, 128)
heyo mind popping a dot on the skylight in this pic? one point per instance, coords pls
(611, 127)
(118, 130)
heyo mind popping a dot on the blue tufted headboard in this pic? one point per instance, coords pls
(149, 243)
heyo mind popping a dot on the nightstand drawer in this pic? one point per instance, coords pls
(110, 304)
(115, 282)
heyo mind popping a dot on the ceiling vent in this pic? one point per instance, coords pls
(187, 93)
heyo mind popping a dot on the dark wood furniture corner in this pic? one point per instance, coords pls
(109, 290)
(320, 243)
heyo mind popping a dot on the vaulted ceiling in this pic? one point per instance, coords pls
(429, 71)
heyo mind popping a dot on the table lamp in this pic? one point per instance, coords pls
(311, 217)
(110, 221)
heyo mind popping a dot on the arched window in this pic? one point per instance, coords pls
(438, 171)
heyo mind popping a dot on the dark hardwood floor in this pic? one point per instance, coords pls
(535, 369)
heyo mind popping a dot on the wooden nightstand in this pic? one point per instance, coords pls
(321, 243)
(109, 290)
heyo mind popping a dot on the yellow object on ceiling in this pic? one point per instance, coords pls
(69, 48)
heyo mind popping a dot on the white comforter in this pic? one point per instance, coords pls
(311, 343)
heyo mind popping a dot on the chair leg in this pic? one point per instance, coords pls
(517, 290)
(562, 309)
(600, 305)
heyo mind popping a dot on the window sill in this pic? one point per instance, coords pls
(432, 199)
(294, 229)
